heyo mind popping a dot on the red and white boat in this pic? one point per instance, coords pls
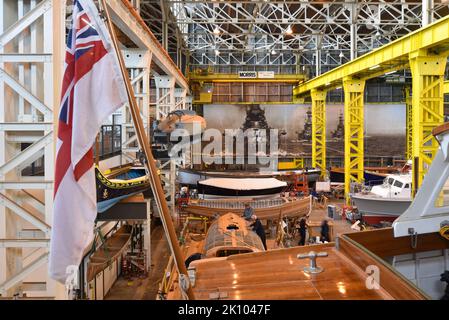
(385, 202)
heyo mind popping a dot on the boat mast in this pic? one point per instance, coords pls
(155, 181)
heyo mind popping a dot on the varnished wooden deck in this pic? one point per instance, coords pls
(278, 274)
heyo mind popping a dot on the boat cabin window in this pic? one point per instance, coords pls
(230, 252)
(398, 184)
(407, 186)
(390, 181)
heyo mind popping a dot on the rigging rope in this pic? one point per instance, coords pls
(444, 232)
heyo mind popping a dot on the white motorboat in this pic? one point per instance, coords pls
(385, 202)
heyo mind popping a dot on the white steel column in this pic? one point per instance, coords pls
(138, 63)
(353, 30)
(189, 102)
(29, 96)
(180, 98)
(165, 96)
(427, 12)
(166, 103)
(3, 273)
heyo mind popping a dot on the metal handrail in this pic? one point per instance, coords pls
(240, 204)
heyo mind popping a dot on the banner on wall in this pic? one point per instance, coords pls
(266, 74)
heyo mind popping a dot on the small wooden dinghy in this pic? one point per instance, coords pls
(229, 235)
(264, 209)
(111, 191)
(113, 247)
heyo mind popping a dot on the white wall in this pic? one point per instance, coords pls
(424, 270)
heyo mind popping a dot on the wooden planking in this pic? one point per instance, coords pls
(382, 242)
(278, 274)
(295, 208)
(392, 282)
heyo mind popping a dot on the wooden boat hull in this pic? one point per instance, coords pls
(229, 235)
(109, 192)
(293, 208)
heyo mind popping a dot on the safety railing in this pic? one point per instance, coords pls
(109, 142)
(240, 204)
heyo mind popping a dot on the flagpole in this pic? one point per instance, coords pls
(155, 180)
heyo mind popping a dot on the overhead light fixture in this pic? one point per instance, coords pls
(327, 84)
(216, 31)
(374, 67)
(391, 72)
(289, 30)
(217, 53)
(337, 88)
(341, 55)
(273, 51)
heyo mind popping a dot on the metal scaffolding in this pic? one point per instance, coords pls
(30, 64)
(32, 50)
(138, 63)
(279, 35)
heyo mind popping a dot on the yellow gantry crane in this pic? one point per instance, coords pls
(424, 52)
(319, 130)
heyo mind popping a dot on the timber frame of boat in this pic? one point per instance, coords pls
(266, 209)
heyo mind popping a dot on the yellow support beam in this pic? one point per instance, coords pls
(319, 130)
(354, 125)
(294, 164)
(234, 77)
(408, 125)
(427, 108)
(425, 52)
(446, 86)
(392, 56)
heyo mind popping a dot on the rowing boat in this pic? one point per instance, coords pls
(264, 209)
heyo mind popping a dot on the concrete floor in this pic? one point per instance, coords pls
(340, 226)
(145, 289)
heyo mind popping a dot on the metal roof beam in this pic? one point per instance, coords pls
(392, 56)
(129, 22)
